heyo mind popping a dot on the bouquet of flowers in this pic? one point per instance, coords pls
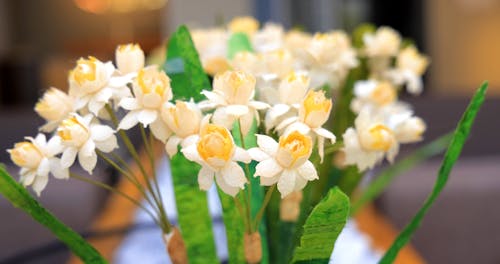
(285, 130)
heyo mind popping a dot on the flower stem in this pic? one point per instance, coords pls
(267, 198)
(242, 214)
(116, 191)
(247, 173)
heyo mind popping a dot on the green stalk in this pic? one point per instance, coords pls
(267, 198)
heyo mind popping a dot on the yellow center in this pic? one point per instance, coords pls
(316, 101)
(24, 150)
(384, 93)
(297, 144)
(246, 25)
(381, 138)
(215, 142)
(68, 125)
(128, 47)
(152, 81)
(85, 70)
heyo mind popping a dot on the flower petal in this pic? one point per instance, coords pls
(191, 153)
(264, 181)
(39, 184)
(237, 110)
(129, 120)
(107, 145)
(258, 154)
(286, 183)
(68, 157)
(171, 146)
(160, 130)
(87, 162)
(224, 186)
(43, 168)
(57, 170)
(267, 144)
(223, 118)
(88, 148)
(101, 132)
(308, 171)
(147, 117)
(234, 175)
(129, 103)
(268, 168)
(205, 178)
(325, 133)
(258, 105)
(241, 155)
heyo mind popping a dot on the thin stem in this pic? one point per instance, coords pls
(267, 198)
(116, 191)
(247, 173)
(242, 213)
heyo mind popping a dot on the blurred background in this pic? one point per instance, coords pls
(41, 40)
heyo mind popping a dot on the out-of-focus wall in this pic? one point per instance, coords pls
(463, 38)
(197, 13)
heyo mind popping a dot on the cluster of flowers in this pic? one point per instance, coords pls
(280, 83)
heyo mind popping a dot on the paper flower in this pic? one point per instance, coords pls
(184, 119)
(151, 90)
(374, 94)
(245, 24)
(410, 66)
(129, 58)
(92, 85)
(212, 47)
(36, 157)
(80, 137)
(384, 42)
(217, 154)
(286, 163)
(314, 111)
(232, 96)
(54, 106)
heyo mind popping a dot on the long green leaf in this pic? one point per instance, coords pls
(20, 198)
(184, 68)
(238, 42)
(322, 228)
(192, 207)
(187, 80)
(381, 182)
(460, 136)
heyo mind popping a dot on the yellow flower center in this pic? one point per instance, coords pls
(25, 154)
(73, 132)
(295, 146)
(292, 77)
(128, 47)
(248, 25)
(153, 81)
(316, 101)
(215, 142)
(384, 93)
(378, 138)
(85, 70)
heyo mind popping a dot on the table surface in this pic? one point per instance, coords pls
(118, 212)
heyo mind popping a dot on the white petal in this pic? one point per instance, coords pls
(191, 153)
(246, 122)
(39, 184)
(43, 168)
(267, 144)
(100, 132)
(160, 130)
(274, 113)
(107, 145)
(87, 162)
(308, 171)
(40, 140)
(258, 105)
(300, 183)
(28, 177)
(223, 118)
(57, 170)
(286, 183)
(68, 157)
(286, 122)
(237, 110)
(129, 120)
(268, 168)
(224, 186)
(214, 97)
(298, 126)
(88, 148)
(190, 140)
(269, 181)
(321, 148)
(241, 155)
(205, 178)
(234, 175)
(171, 146)
(258, 154)
(147, 117)
(129, 103)
(325, 133)
(54, 146)
(95, 106)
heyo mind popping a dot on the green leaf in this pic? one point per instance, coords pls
(381, 182)
(184, 68)
(322, 228)
(192, 207)
(235, 228)
(455, 148)
(20, 198)
(238, 42)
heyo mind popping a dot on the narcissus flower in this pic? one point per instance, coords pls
(269, 38)
(129, 58)
(92, 85)
(212, 47)
(217, 154)
(36, 157)
(151, 90)
(314, 111)
(232, 96)
(80, 137)
(286, 163)
(184, 119)
(410, 66)
(384, 42)
(374, 94)
(245, 24)
(54, 106)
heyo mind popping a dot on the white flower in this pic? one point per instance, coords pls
(370, 141)
(297, 40)
(373, 93)
(184, 119)
(212, 47)
(92, 85)
(151, 90)
(314, 111)
(410, 66)
(232, 96)
(54, 106)
(291, 91)
(269, 38)
(129, 58)
(216, 152)
(384, 42)
(245, 24)
(80, 136)
(286, 163)
(36, 157)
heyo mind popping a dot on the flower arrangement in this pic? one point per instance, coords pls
(285, 131)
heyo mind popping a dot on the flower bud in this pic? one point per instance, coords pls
(152, 87)
(55, 105)
(129, 58)
(410, 59)
(26, 154)
(73, 132)
(293, 88)
(237, 87)
(315, 109)
(410, 130)
(378, 137)
(183, 118)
